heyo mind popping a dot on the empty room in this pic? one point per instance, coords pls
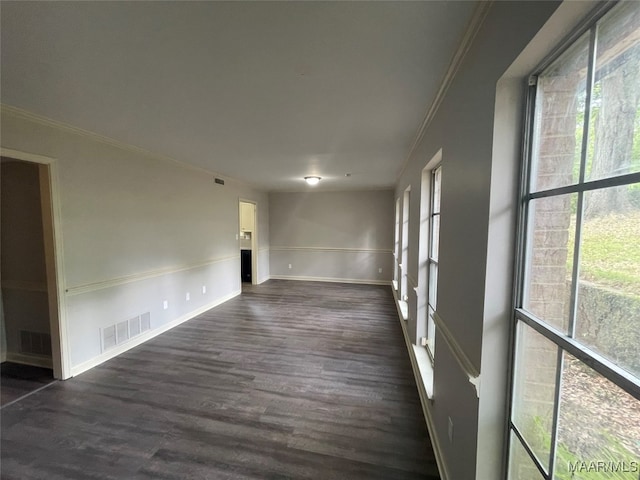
(320, 240)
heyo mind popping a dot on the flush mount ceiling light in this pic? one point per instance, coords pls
(312, 180)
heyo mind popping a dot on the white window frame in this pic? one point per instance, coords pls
(404, 249)
(396, 247)
(432, 260)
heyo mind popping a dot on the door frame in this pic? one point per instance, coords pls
(52, 229)
(254, 238)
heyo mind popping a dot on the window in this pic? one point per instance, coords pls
(432, 260)
(396, 245)
(575, 408)
(404, 255)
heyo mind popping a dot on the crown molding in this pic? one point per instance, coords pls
(472, 29)
(20, 113)
(339, 189)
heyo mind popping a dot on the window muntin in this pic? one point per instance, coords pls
(580, 271)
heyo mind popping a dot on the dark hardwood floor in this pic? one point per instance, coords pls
(298, 380)
(18, 380)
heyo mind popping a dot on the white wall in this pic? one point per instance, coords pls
(333, 236)
(479, 134)
(136, 230)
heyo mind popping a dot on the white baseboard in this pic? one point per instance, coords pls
(140, 339)
(25, 359)
(424, 397)
(330, 279)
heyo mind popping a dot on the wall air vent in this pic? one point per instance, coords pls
(145, 322)
(124, 331)
(134, 326)
(219, 181)
(108, 337)
(34, 343)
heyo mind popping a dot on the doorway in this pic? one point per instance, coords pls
(248, 242)
(31, 346)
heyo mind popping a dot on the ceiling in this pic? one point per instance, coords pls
(266, 92)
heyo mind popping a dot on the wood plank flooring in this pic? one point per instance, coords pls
(290, 380)
(17, 380)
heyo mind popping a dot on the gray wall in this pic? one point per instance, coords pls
(138, 229)
(24, 275)
(135, 230)
(333, 236)
(477, 126)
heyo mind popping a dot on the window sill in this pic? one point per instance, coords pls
(425, 367)
(404, 309)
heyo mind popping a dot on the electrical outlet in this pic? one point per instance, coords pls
(204, 289)
(379, 270)
(188, 296)
(165, 304)
(450, 430)
(289, 266)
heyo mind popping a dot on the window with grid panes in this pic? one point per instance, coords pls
(434, 246)
(575, 408)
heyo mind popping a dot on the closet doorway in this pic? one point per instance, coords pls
(31, 345)
(248, 236)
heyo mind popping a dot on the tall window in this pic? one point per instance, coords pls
(575, 407)
(432, 261)
(404, 265)
(396, 246)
